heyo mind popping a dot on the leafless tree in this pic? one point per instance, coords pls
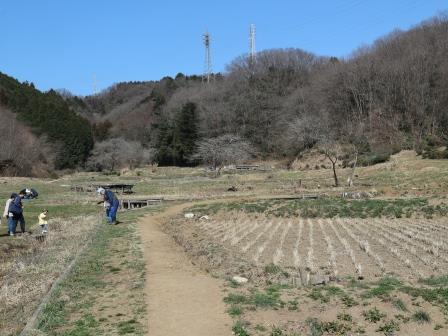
(333, 152)
(222, 150)
(118, 153)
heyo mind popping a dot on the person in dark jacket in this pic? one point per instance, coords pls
(110, 197)
(16, 209)
(8, 215)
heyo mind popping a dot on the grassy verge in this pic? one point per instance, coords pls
(104, 294)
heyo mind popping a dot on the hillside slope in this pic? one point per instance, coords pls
(383, 98)
(48, 115)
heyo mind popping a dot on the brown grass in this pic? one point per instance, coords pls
(28, 268)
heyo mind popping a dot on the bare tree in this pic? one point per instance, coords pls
(226, 149)
(118, 153)
(333, 151)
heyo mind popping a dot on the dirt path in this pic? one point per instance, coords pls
(181, 299)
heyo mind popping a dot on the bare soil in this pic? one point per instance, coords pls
(182, 299)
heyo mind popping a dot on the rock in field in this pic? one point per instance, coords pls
(240, 280)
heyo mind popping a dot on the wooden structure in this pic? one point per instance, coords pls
(247, 167)
(82, 188)
(304, 196)
(119, 188)
(139, 203)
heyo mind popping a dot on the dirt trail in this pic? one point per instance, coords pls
(181, 299)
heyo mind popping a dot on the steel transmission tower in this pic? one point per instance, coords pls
(94, 85)
(208, 58)
(252, 54)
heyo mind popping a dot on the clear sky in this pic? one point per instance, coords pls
(63, 43)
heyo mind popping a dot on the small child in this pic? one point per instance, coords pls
(43, 221)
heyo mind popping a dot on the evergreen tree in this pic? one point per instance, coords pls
(164, 143)
(185, 134)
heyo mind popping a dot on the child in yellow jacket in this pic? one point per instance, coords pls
(43, 221)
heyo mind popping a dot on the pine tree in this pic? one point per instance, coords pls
(185, 134)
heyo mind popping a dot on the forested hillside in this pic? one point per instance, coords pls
(384, 97)
(64, 138)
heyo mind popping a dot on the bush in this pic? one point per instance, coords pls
(371, 159)
(435, 154)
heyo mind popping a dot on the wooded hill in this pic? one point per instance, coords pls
(385, 97)
(57, 137)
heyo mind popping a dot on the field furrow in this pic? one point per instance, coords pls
(296, 259)
(259, 251)
(278, 254)
(332, 260)
(394, 247)
(257, 238)
(347, 248)
(372, 263)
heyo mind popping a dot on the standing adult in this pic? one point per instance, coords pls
(110, 197)
(8, 215)
(16, 209)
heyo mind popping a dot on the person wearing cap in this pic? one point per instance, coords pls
(110, 197)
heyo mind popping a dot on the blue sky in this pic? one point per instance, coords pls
(63, 44)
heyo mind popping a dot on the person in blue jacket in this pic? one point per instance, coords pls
(110, 197)
(16, 210)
